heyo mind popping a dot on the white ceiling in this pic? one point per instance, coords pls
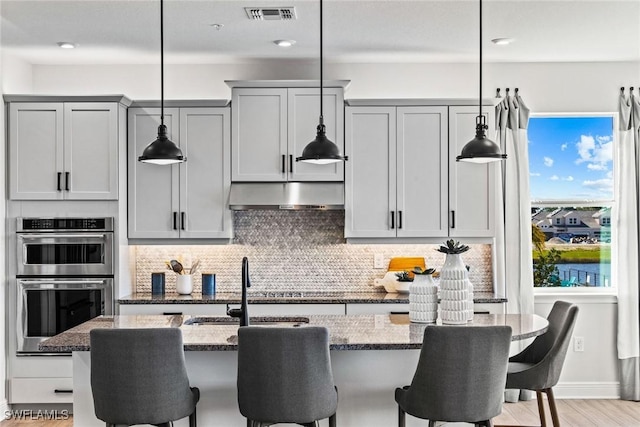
(127, 31)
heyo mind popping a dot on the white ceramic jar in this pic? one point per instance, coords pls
(184, 284)
(423, 299)
(454, 291)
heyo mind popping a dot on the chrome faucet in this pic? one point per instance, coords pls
(242, 312)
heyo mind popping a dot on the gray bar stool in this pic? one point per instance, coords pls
(538, 366)
(138, 376)
(460, 376)
(285, 376)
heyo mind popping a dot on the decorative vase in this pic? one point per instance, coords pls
(184, 284)
(423, 299)
(454, 291)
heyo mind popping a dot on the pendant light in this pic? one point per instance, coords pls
(162, 151)
(481, 149)
(321, 150)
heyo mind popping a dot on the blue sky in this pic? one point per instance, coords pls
(571, 158)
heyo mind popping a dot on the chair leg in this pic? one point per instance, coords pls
(552, 407)
(432, 423)
(333, 420)
(401, 417)
(543, 418)
(192, 419)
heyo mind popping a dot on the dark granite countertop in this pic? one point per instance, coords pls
(347, 332)
(279, 297)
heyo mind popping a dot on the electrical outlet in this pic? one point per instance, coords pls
(578, 343)
(378, 261)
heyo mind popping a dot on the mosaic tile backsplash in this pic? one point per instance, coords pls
(303, 251)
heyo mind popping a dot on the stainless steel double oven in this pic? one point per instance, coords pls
(64, 276)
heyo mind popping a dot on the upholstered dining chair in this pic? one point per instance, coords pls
(539, 365)
(460, 375)
(139, 376)
(285, 376)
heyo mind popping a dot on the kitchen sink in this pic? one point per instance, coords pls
(276, 294)
(254, 321)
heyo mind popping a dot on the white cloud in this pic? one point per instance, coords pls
(554, 178)
(598, 152)
(534, 174)
(548, 162)
(596, 167)
(564, 146)
(569, 178)
(604, 184)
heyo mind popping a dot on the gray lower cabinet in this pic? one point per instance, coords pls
(64, 150)
(187, 200)
(402, 179)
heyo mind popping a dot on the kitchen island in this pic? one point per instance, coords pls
(366, 380)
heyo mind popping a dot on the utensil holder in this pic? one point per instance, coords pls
(184, 284)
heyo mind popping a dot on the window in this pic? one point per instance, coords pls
(571, 178)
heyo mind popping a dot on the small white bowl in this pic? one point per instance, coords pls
(402, 287)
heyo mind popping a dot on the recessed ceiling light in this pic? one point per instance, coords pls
(67, 45)
(285, 43)
(502, 41)
(217, 27)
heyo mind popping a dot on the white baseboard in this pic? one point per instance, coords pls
(587, 390)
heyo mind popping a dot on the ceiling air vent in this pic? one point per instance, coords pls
(271, 13)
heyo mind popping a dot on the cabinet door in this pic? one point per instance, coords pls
(153, 189)
(472, 186)
(205, 178)
(259, 134)
(370, 181)
(422, 137)
(36, 151)
(91, 151)
(303, 114)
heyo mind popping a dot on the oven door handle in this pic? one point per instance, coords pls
(78, 236)
(29, 283)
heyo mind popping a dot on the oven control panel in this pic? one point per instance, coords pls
(64, 224)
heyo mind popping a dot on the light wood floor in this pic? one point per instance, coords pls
(573, 413)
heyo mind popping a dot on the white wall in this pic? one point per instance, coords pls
(17, 75)
(545, 87)
(3, 263)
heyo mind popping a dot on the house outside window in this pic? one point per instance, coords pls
(572, 197)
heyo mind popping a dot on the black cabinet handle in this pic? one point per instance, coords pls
(59, 178)
(399, 220)
(172, 313)
(453, 219)
(182, 220)
(283, 163)
(175, 220)
(291, 163)
(63, 390)
(393, 219)
(66, 180)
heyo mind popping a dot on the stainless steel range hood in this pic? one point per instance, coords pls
(286, 195)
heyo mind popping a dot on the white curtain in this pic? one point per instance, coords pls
(625, 272)
(513, 237)
(514, 230)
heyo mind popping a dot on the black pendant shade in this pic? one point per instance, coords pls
(480, 149)
(162, 151)
(322, 150)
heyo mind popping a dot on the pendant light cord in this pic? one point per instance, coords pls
(480, 99)
(161, 62)
(321, 97)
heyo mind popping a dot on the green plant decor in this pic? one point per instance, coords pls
(453, 247)
(403, 276)
(420, 271)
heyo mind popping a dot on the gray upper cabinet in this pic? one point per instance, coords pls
(402, 179)
(272, 125)
(396, 182)
(472, 186)
(187, 200)
(64, 150)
